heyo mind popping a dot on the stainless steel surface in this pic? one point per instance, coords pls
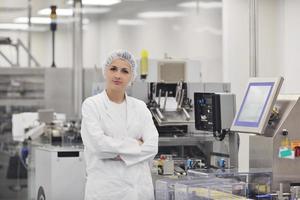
(160, 115)
(177, 91)
(58, 91)
(295, 192)
(30, 56)
(159, 97)
(139, 90)
(29, 32)
(17, 45)
(91, 77)
(264, 151)
(172, 118)
(22, 87)
(287, 170)
(227, 109)
(77, 59)
(187, 115)
(165, 102)
(253, 41)
(171, 71)
(7, 59)
(185, 141)
(181, 98)
(233, 142)
(260, 151)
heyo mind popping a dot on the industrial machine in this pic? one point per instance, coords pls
(214, 113)
(55, 154)
(176, 110)
(272, 125)
(169, 104)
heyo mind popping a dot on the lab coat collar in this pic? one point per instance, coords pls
(129, 105)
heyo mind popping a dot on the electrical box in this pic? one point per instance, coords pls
(214, 111)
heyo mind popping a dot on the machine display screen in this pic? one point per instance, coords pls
(254, 104)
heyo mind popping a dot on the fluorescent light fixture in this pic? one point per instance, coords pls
(210, 30)
(130, 22)
(59, 11)
(97, 2)
(204, 5)
(47, 20)
(160, 14)
(34, 20)
(69, 12)
(21, 27)
(100, 2)
(11, 26)
(93, 10)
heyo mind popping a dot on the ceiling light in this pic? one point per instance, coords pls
(34, 20)
(210, 30)
(97, 2)
(21, 27)
(160, 14)
(93, 10)
(10, 26)
(100, 2)
(130, 22)
(59, 12)
(204, 5)
(47, 20)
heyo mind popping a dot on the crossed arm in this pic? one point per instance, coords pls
(130, 150)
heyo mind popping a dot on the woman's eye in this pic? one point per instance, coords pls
(125, 71)
(113, 69)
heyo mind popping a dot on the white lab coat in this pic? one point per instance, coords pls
(105, 136)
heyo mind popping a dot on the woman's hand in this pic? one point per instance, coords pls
(118, 158)
(141, 141)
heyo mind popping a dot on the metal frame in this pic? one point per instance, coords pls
(17, 46)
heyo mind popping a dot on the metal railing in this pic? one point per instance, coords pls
(17, 45)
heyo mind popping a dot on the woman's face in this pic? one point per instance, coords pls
(118, 75)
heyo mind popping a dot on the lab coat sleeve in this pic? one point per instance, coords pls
(150, 146)
(95, 140)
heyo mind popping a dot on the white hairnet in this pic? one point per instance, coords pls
(124, 55)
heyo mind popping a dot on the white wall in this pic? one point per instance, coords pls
(278, 43)
(236, 45)
(290, 51)
(268, 38)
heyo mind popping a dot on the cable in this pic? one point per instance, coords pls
(219, 136)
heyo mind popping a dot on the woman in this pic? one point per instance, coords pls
(119, 137)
